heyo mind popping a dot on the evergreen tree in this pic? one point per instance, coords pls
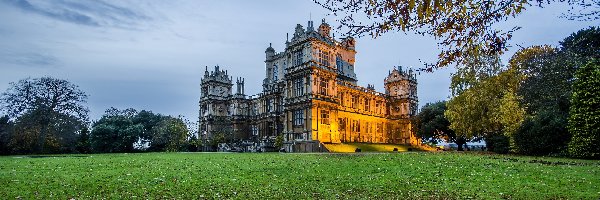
(584, 120)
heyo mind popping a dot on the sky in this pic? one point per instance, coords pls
(151, 54)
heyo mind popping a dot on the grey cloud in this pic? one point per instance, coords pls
(29, 59)
(89, 13)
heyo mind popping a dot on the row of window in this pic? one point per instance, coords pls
(355, 126)
(354, 102)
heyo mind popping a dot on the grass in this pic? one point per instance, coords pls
(414, 175)
(365, 147)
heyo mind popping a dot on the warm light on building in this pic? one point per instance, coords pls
(310, 96)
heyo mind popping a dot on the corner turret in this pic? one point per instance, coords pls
(270, 52)
(324, 29)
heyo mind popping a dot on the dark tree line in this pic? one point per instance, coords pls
(48, 115)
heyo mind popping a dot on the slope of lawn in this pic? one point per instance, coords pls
(365, 147)
(409, 175)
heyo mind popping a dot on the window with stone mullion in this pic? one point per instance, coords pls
(299, 87)
(324, 117)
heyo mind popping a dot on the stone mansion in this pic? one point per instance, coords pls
(310, 96)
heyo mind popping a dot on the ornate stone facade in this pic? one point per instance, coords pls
(310, 96)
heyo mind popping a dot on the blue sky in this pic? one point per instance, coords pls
(150, 54)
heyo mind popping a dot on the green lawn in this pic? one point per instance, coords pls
(409, 175)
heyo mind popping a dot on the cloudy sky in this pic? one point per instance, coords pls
(150, 54)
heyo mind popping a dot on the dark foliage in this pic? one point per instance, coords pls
(497, 144)
(543, 134)
(584, 120)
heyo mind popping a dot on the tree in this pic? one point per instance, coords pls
(431, 124)
(546, 90)
(118, 131)
(584, 122)
(115, 132)
(542, 134)
(148, 120)
(169, 135)
(50, 103)
(464, 28)
(484, 103)
(583, 44)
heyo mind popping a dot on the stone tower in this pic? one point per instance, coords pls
(401, 87)
(214, 103)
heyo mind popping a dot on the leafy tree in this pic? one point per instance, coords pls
(431, 124)
(584, 122)
(463, 28)
(543, 134)
(546, 90)
(583, 44)
(44, 107)
(169, 135)
(115, 132)
(118, 130)
(485, 103)
(148, 120)
(542, 67)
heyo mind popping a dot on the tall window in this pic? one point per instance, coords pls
(275, 72)
(369, 127)
(323, 86)
(254, 130)
(355, 126)
(354, 102)
(338, 63)
(299, 86)
(269, 105)
(341, 124)
(298, 117)
(367, 105)
(323, 57)
(324, 117)
(298, 57)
